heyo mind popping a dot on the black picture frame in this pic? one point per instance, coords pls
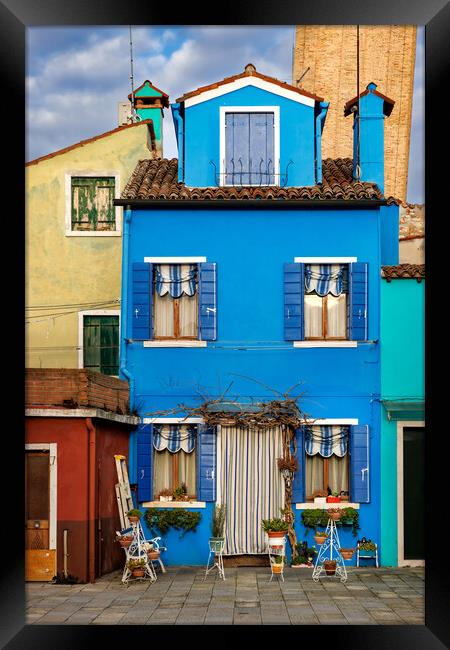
(15, 17)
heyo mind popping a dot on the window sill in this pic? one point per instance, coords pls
(174, 504)
(175, 344)
(93, 233)
(309, 505)
(325, 344)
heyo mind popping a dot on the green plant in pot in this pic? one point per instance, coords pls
(277, 564)
(134, 515)
(137, 567)
(305, 555)
(218, 518)
(320, 536)
(330, 567)
(180, 493)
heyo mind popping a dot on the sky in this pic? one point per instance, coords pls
(77, 75)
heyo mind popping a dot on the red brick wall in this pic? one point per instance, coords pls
(63, 387)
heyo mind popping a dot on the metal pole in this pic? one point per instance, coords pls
(358, 158)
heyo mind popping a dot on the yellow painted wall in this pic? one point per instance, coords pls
(69, 270)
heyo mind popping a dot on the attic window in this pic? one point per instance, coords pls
(92, 203)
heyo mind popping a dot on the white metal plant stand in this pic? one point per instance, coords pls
(277, 550)
(215, 558)
(330, 550)
(138, 551)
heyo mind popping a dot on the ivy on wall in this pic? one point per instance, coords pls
(180, 519)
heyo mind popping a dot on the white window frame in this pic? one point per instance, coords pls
(325, 344)
(175, 343)
(276, 139)
(92, 312)
(401, 425)
(89, 173)
(52, 448)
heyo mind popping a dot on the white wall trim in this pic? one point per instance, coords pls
(174, 504)
(401, 424)
(250, 80)
(310, 505)
(91, 312)
(175, 343)
(276, 140)
(82, 413)
(52, 448)
(68, 203)
(175, 260)
(172, 420)
(326, 260)
(325, 344)
(328, 421)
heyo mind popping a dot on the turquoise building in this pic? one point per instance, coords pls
(251, 258)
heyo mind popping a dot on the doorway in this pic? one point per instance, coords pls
(40, 512)
(411, 493)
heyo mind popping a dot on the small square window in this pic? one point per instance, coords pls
(175, 301)
(92, 203)
(101, 344)
(326, 301)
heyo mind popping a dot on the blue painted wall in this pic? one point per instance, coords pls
(202, 131)
(250, 248)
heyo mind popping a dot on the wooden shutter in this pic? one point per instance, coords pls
(207, 301)
(144, 441)
(261, 149)
(206, 475)
(294, 291)
(93, 203)
(359, 464)
(358, 321)
(298, 485)
(141, 304)
(249, 148)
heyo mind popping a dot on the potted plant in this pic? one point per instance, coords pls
(305, 555)
(180, 493)
(330, 567)
(333, 498)
(134, 515)
(166, 495)
(125, 540)
(367, 546)
(153, 553)
(217, 539)
(276, 530)
(320, 536)
(334, 514)
(350, 517)
(320, 496)
(137, 567)
(277, 564)
(347, 553)
(344, 495)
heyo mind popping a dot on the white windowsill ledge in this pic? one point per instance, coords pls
(174, 504)
(325, 344)
(175, 344)
(93, 233)
(326, 506)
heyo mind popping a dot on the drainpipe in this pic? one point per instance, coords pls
(65, 551)
(320, 121)
(179, 132)
(91, 499)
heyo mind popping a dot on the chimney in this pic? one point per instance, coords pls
(149, 103)
(369, 126)
(124, 113)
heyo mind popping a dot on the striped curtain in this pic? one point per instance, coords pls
(326, 440)
(176, 279)
(323, 279)
(174, 437)
(249, 484)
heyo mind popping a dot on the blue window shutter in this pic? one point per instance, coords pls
(141, 304)
(294, 292)
(144, 442)
(358, 321)
(359, 464)
(207, 301)
(298, 485)
(237, 140)
(261, 148)
(206, 457)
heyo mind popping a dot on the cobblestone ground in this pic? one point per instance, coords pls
(181, 596)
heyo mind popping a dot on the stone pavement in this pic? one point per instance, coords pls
(369, 597)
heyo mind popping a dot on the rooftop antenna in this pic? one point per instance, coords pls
(134, 116)
(358, 159)
(307, 70)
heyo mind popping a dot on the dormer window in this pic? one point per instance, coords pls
(250, 145)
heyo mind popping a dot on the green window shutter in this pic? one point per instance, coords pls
(93, 203)
(101, 344)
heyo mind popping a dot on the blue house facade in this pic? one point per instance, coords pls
(250, 261)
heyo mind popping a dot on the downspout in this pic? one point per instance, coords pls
(91, 500)
(179, 133)
(320, 121)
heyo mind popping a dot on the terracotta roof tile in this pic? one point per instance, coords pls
(403, 271)
(157, 179)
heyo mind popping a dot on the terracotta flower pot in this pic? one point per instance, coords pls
(347, 553)
(125, 543)
(277, 568)
(138, 573)
(335, 516)
(330, 568)
(133, 519)
(319, 540)
(276, 533)
(153, 555)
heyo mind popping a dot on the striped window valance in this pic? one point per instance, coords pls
(326, 440)
(174, 437)
(176, 279)
(323, 279)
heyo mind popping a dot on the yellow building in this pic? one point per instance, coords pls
(386, 57)
(73, 248)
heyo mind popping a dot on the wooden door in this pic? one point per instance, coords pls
(40, 560)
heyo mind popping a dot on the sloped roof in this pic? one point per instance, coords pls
(250, 71)
(403, 272)
(388, 104)
(158, 179)
(165, 96)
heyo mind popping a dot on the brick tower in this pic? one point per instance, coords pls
(387, 57)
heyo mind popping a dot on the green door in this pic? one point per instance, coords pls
(101, 344)
(414, 492)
